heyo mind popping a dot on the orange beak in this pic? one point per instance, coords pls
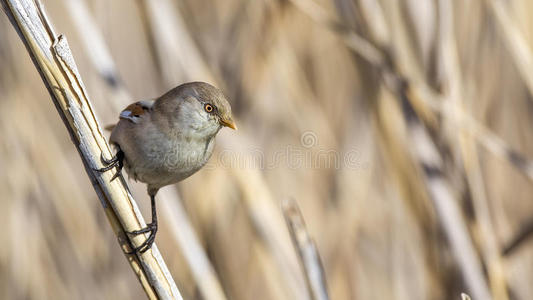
(229, 123)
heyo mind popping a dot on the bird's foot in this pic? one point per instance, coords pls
(115, 161)
(147, 244)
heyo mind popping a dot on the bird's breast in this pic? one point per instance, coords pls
(171, 160)
(186, 155)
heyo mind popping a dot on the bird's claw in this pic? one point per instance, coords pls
(106, 161)
(147, 244)
(115, 161)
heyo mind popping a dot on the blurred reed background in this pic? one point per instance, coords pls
(401, 128)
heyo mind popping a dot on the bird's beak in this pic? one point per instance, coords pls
(228, 123)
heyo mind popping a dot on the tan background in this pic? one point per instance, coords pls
(289, 78)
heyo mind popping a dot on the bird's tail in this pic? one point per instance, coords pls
(110, 127)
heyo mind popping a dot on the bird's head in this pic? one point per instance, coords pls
(197, 108)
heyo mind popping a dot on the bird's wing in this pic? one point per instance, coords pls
(135, 111)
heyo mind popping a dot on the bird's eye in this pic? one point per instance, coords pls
(209, 108)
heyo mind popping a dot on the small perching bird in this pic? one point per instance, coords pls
(166, 140)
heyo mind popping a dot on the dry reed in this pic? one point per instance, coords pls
(401, 126)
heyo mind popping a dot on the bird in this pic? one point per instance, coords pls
(163, 141)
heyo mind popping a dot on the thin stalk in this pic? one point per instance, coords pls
(307, 251)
